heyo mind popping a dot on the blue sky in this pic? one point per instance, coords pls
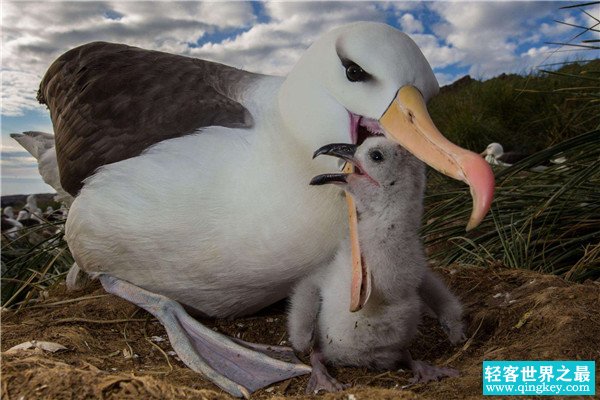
(482, 39)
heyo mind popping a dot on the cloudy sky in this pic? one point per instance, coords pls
(482, 39)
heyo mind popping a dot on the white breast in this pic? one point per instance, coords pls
(208, 220)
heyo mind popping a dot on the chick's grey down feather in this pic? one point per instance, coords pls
(109, 102)
(376, 336)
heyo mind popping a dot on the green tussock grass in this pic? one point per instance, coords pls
(526, 112)
(36, 260)
(545, 221)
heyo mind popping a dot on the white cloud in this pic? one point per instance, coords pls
(36, 33)
(438, 54)
(535, 52)
(410, 24)
(19, 170)
(18, 92)
(274, 47)
(483, 36)
(488, 34)
(557, 29)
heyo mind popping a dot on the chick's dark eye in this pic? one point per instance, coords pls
(354, 73)
(376, 156)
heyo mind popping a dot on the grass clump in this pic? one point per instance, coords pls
(546, 221)
(32, 263)
(526, 112)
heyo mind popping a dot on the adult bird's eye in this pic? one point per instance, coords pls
(354, 73)
(376, 156)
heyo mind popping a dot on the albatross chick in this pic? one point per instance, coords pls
(388, 190)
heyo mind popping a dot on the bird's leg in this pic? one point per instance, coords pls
(233, 367)
(424, 372)
(320, 378)
(445, 305)
(303, 314)
(77, 279)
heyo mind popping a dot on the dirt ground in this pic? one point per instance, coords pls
(116, 351)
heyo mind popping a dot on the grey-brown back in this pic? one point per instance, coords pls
(109, 102)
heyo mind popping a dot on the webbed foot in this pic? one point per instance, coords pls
(237, 367)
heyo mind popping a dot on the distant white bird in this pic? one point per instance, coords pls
(31, 204)
(27, 219)
(23, 214)
(10, 226)
(8, 212)
(41, 146)
(388, 189)
(494, 154)
(35, 212)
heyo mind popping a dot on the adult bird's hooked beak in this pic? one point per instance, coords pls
(407, 122)
(361, 277)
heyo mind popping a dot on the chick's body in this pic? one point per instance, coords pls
(388, 191)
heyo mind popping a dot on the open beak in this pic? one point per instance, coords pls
(407, 122)
(361, 277)
(344, 151)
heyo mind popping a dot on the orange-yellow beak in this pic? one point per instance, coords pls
(407, 122)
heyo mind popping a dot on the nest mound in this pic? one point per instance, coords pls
(117, 351)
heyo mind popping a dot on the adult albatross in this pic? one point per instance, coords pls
(142, 135)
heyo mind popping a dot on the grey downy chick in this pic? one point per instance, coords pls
(388, 187)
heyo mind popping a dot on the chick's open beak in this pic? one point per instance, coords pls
(407, 122)
(344, 151)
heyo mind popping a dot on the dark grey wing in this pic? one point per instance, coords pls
(109, 102)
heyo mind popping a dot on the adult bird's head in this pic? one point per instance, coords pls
(367, 79)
